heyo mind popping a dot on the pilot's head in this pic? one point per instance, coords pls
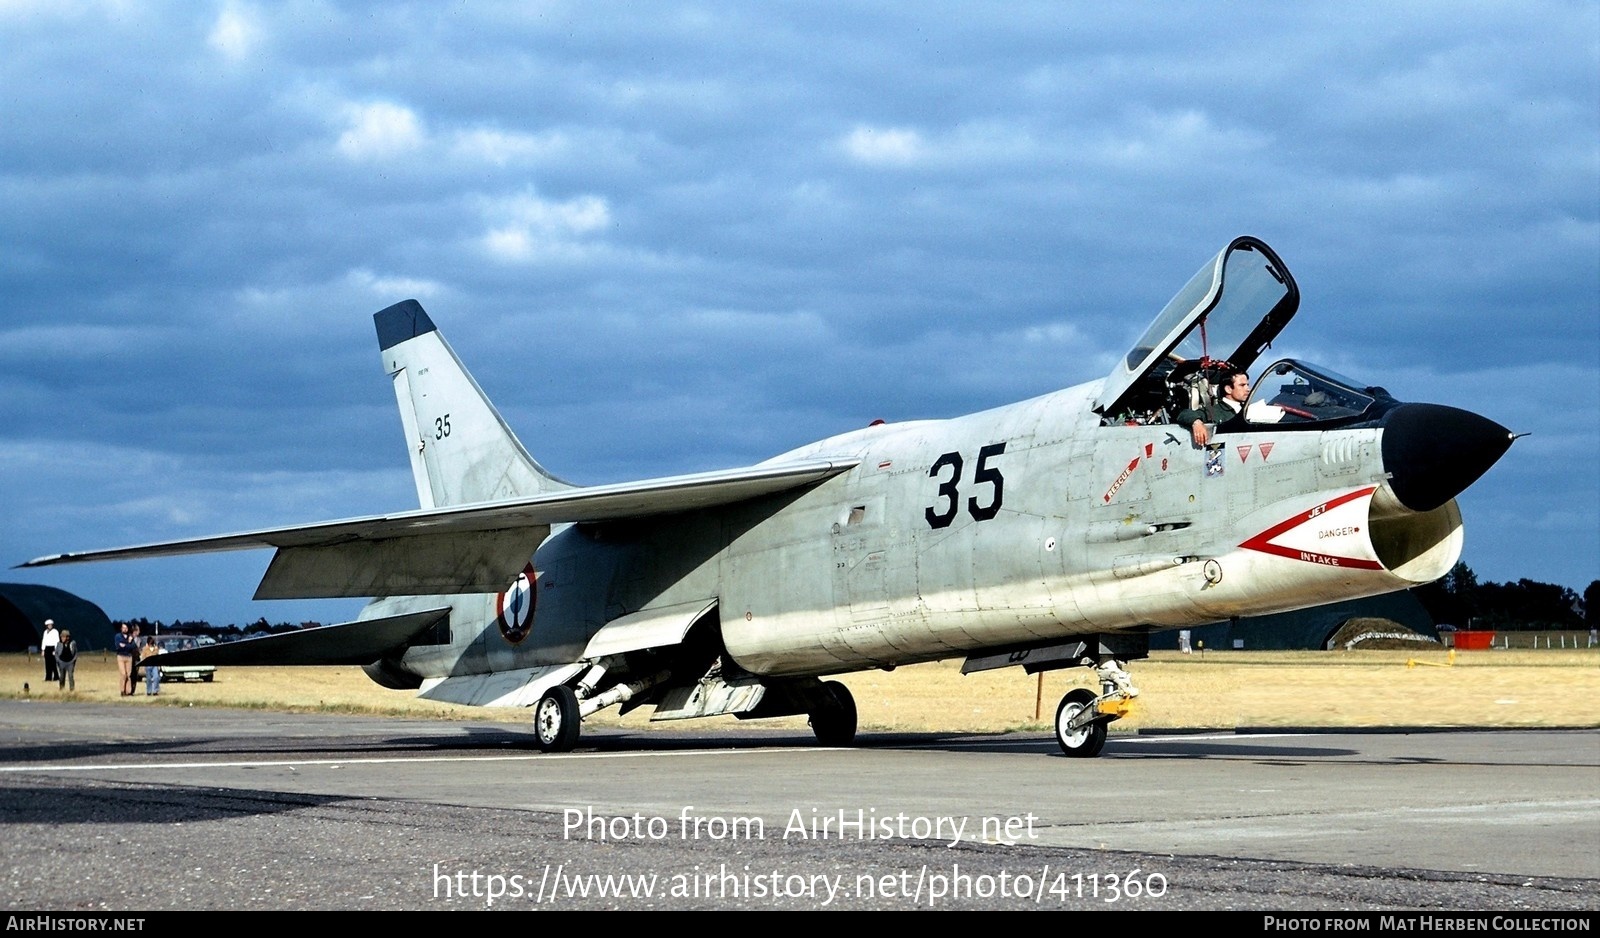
(1235, 385)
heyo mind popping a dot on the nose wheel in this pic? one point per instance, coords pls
(1080, 729)
(1083, 715)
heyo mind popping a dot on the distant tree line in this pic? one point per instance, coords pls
(1526, 605)
(222, 633)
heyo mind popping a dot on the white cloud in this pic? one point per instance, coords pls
(1163, 139)
(235, 32)
(884, 146)
(380, 130)
(387, 287)
(526, 227)
(979, 143)
(485, 145)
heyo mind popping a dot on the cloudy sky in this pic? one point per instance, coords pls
(669, 237)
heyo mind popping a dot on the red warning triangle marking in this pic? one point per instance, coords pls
(1266, 450)
(1244, 451)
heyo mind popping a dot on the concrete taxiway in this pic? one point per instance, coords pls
(229, 809)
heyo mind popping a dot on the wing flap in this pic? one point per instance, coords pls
(359, 643)
(429, 564)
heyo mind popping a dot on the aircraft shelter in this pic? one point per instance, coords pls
(25, 606)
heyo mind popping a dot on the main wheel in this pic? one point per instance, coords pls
(1085, 741)
(834, 719)
(556, 719)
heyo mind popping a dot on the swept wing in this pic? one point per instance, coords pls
(466, 548)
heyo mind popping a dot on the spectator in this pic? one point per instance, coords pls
(152, 672)
(47, 645)
(67, 661)
(126, 647)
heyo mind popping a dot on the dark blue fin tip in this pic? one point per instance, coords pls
(404, 320)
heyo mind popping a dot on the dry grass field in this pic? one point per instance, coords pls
(1222, 690)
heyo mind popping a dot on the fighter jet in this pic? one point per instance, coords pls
(1052, 533)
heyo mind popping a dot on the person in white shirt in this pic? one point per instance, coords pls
(48, 644)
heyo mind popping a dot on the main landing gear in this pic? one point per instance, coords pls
(558, 716)
(833, 715)
(556, 719)
(1082, 716)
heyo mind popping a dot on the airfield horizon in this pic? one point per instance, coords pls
(1220, 690)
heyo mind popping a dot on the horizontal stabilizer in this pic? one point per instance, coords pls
(359, 643)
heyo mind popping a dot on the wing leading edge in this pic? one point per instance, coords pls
(465, 548)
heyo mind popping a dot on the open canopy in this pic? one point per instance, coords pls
(1230, 310)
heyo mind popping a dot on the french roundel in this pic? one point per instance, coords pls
(514, 607)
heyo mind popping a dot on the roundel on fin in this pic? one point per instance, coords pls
(514, 607)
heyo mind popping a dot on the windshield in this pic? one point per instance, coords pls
(177, 642)
(1294, 392)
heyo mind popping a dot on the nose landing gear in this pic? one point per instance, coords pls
(1082, 716)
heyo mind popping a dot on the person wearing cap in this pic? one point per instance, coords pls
(67, 661)
(48, 644)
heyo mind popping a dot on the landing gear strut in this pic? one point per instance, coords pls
(1082, 717)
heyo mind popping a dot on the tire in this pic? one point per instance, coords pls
(556, 720)
(1086, 741)
(834, 719)
(207, 677)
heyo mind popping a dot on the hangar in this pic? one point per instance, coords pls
(1312, 628)
(25, 606)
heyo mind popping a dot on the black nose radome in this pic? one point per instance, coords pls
(1433, 452)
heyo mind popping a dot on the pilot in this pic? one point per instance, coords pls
(1232, 391)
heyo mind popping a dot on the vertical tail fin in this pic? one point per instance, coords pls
(461, 449)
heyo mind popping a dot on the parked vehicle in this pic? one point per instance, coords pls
(187, 672)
